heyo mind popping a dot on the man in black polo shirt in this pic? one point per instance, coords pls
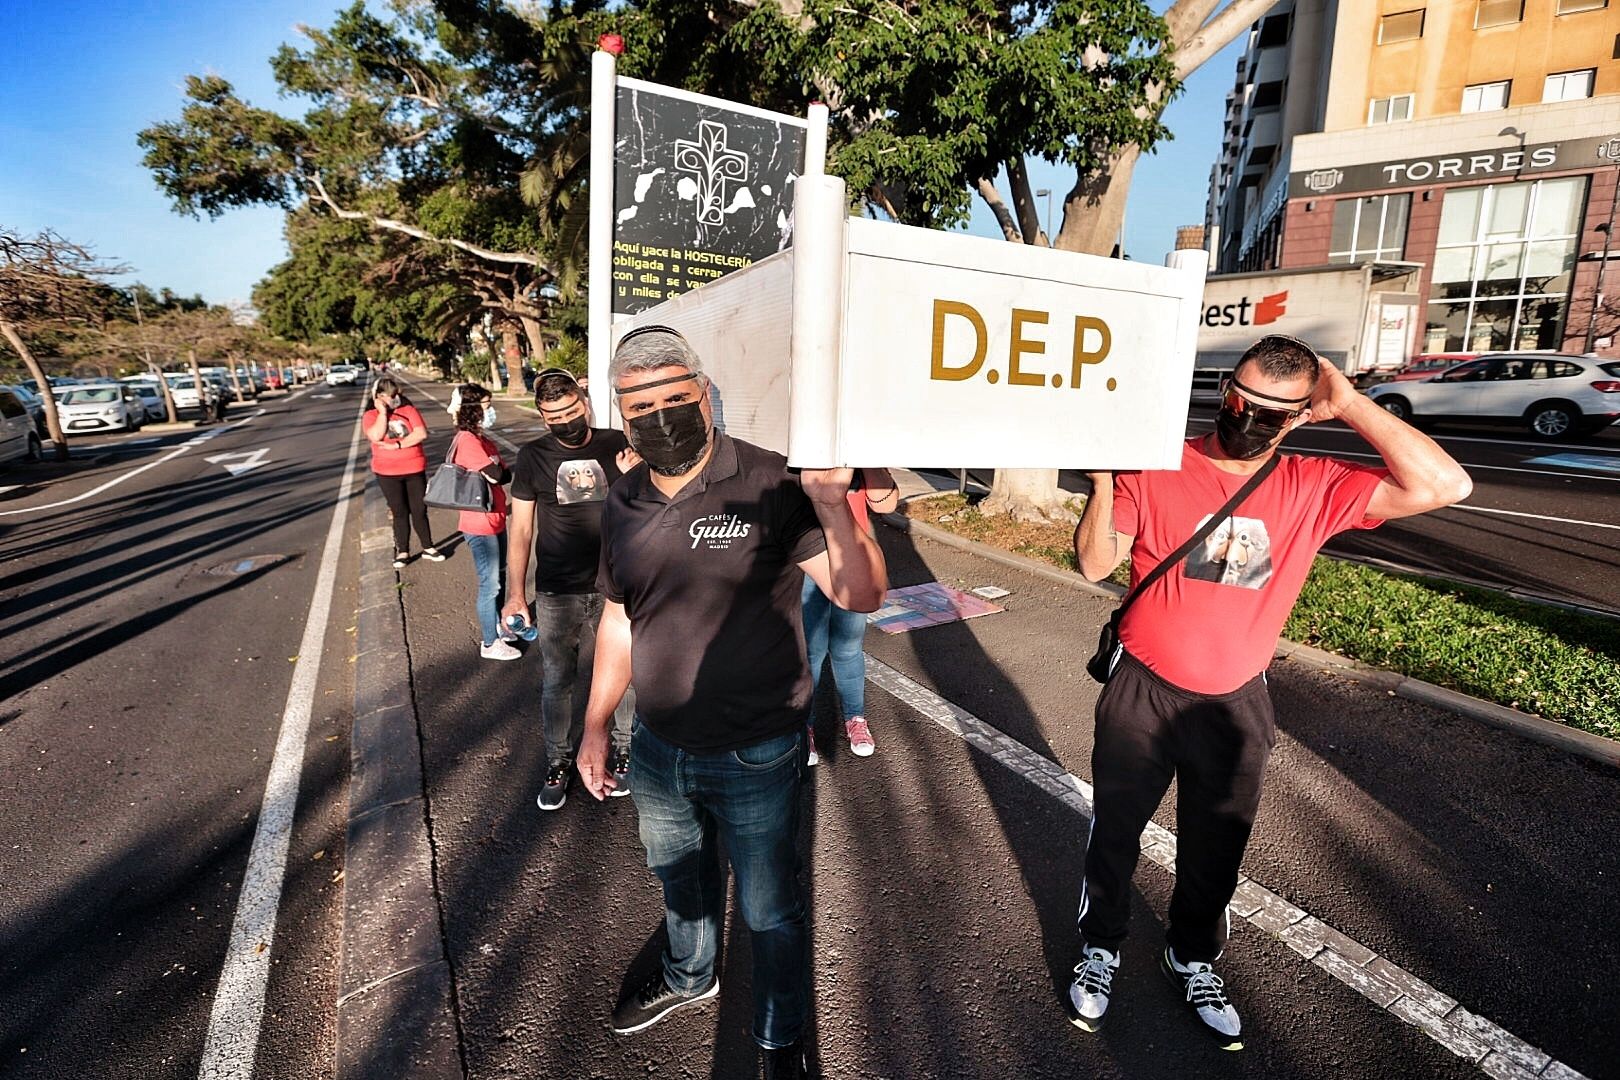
(558, 489)
(702, 548)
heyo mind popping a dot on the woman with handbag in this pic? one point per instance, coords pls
(484, 530)
(396, 432)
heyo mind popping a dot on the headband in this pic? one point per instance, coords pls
(617, 392)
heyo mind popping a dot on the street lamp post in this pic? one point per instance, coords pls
(1610, 150)
(1048, 193)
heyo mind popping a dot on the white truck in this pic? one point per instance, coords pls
(1364, 317)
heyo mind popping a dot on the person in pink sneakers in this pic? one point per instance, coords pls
(831, 632)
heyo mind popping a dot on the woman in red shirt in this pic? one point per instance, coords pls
(484, 531)
(397, 432)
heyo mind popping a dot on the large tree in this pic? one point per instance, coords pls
(451, 128)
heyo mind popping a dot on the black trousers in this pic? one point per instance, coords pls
(407, 506)
(1148, 731)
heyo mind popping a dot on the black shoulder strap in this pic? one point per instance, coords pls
(1204, 530)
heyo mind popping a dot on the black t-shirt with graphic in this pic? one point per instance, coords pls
(711, 583)
(568, 486)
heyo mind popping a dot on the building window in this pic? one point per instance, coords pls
(1570, 7)
(1569, 85)
(1372, 227)
(1484, 97)
(1498, 13)
(1400, 26)
(1390, 109)
(1502, 266)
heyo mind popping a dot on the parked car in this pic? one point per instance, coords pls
(1424, 365)
(342, 375)
(151, 396)
(184, 389)
(100, 407)
(1555, 394)
(35, 406)
(18, 439)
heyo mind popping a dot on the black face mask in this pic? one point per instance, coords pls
(1240, 437)
(571, 432)
(670, 440)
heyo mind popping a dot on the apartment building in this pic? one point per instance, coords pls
(1479, 139)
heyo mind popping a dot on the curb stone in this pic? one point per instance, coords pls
(395, 1005)
(1548, 732)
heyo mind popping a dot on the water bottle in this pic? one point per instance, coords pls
(522, 627)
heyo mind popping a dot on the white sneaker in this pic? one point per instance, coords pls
(498, 650)
(1088, 993)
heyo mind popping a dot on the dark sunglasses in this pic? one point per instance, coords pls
(1252, 414)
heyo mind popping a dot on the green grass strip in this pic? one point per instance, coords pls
(1557, 664)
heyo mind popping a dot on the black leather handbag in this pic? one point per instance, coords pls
(1101, 664)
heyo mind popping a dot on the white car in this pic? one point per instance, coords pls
(1556, 395)
(183, 388)
(18, 439)
(151, 396)
(342, 375)
(99, 407)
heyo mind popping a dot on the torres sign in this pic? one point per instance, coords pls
(1483, 164)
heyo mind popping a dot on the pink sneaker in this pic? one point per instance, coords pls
(810, 741)
(860, 737)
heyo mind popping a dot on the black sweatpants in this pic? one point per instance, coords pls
(407, 505)
(1148, 731)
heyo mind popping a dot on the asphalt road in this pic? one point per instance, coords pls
(144, 676)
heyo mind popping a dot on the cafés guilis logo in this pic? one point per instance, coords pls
(1324, 180)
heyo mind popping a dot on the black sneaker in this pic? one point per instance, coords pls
(555, 791)
(653, 1002)
(619, 762)
(1088, 993)
(1205, 994)
(787, 1063)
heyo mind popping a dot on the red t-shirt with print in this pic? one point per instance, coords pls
(475, 452)
(1212, 625)
(387, 461)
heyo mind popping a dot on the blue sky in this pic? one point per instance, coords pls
(94, 72)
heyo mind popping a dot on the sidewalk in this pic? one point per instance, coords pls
(1457, 863)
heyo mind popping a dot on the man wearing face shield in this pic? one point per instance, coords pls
(1187, 697)
(559, 486)
(702, 551)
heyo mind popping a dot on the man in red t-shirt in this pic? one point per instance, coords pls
(1188, 697)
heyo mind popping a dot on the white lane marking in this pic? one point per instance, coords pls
(1537, 517)
(255, 458)
(238, 1013)
(121, 477)
(1378, 979)
(9, 487)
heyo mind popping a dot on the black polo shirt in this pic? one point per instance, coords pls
(711, 583)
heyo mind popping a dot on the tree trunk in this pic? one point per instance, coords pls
(537, 355)
(203, 411)
(169, 409)
(1095, 209)
(53, 422)
(1028, 495)
(236, 383)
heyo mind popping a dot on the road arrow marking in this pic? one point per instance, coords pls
(255, 458)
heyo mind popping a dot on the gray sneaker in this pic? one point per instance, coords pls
(1088, 993)
(555, 790)
(1205, 994)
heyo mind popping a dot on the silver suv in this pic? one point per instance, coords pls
(1556, 395)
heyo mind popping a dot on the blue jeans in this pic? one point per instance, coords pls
(749, 799)
(489, 559)
(567, 624)
(830, 630)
